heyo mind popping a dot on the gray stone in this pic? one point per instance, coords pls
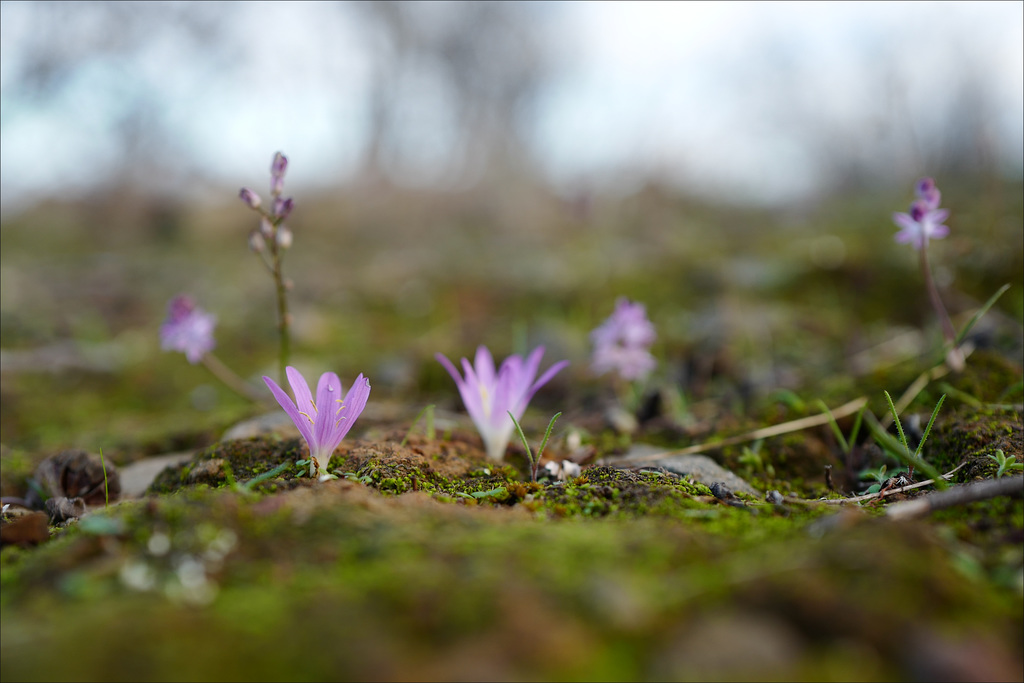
(698, 468)
(137, 476)
(702, 469)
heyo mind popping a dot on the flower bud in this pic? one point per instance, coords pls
(277, 168)
(284, 237)
(279, 165)
(283, 207)
(266, 228)
(256, 241)
(250, 198)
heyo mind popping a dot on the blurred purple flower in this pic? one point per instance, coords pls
(283, 207)
(927, 191)
(188, 329)
(489, 396)
(323, 431)
(250, 198)
(277, 168)
(925, 220)
(622, 341)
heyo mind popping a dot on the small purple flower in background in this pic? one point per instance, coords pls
(925, 219)
(321, 424)
(188, 329)
(489, 396)
(622, 342)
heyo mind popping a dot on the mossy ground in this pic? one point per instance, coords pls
(397, 571)
(335, 580)
(424, 560)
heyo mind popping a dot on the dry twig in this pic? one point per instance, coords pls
(958, 495)
(880, 494)
(784, 428)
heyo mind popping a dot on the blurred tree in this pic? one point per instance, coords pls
(110, 62)
(485, 62)
(887, 126)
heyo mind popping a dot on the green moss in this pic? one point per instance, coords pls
(320, 582)
(970, 436)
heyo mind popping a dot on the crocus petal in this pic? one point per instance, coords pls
(301, 422)
(344, 418)
(470, 396)
(328, 393)
(355, 401)
(484, 366)
(303, 398)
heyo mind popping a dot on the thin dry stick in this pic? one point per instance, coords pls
(784, 428)
(959, 495)
(880, 494)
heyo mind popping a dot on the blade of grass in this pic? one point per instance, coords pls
(526, 445)
(928, 429)
(981, 311)
(856, 426)
(835, 426)
(266, 475)
(547, 434)
(959, 395)
(896, 419)
(429, 409)
(887, 439)
(106, 490)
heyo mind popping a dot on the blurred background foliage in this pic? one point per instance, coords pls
(435, 212)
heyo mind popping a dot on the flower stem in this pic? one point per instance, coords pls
(282, 315)
(228, 376)
(954, 357)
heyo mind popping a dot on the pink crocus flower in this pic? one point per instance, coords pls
(323, 422)
(622, 341)
(188, 329)
(925, 220)
(490, 395)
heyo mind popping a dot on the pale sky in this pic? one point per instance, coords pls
(711, 95)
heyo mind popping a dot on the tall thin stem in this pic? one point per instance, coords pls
(954, 357)
(282, 314)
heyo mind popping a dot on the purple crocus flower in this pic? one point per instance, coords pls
(188, 329)
(321, 424)
(622, 341)
(925, 220)
(489, 396)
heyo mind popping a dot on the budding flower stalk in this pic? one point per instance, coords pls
(270, 242)
(925, 221)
